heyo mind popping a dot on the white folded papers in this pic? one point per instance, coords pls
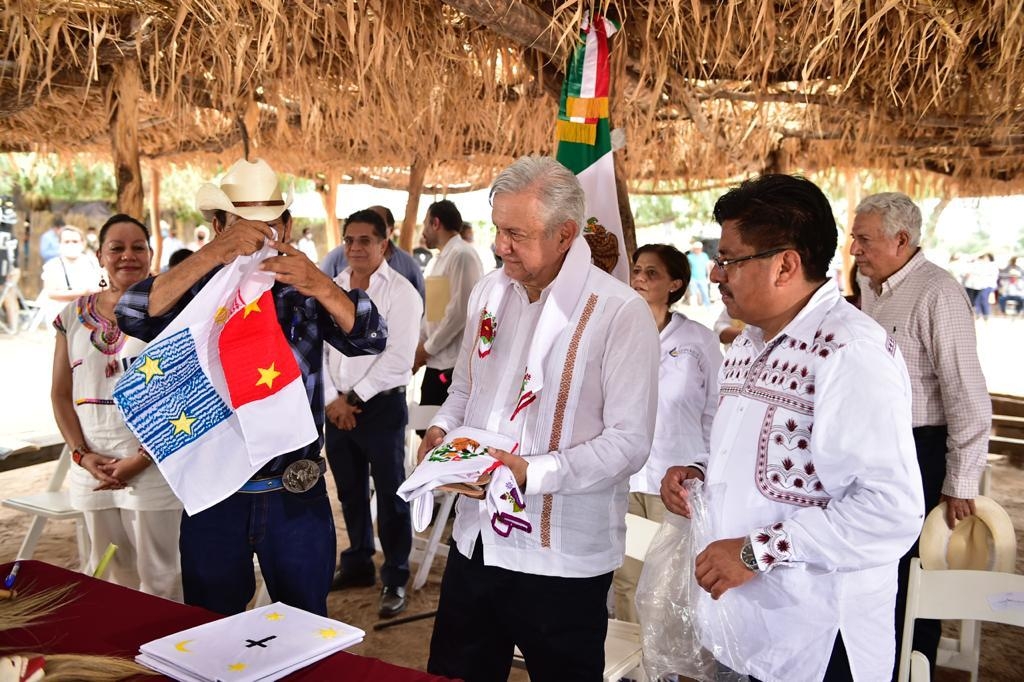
(265, 643)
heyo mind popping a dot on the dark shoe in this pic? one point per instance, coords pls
(392, 601)
(345, 579)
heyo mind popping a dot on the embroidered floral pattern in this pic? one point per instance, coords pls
(104, 334)
(457, 450)
(488, 327)
(772, 546)
(785, 466)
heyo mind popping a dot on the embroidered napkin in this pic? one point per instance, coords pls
(463, 458)
(565, 294)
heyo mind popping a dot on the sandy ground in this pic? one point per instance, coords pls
(24, 410)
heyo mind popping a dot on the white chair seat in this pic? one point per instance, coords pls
(53, 505)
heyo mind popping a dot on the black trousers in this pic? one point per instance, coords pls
(558, 623)
(930, 442)
(434, 389)
(375, 447)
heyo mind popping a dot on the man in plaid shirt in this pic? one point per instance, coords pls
(283, 514)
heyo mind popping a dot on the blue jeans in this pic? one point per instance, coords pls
(981, 302)
(700, 286)
(291, 534)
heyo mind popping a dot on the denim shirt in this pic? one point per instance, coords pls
(306, 325)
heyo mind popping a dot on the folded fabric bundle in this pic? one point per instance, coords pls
(463, 458)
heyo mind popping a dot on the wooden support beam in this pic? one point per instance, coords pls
(126, 89)
(332, 228)
(154, 217)
(417, 172)
(517, 21)
(852, 183)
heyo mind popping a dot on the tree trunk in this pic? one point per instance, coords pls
(126, 89)
(417, 172)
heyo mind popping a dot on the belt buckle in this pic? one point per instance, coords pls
(300, 476)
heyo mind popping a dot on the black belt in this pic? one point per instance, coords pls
(391, 391)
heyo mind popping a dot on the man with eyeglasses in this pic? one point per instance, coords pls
(812, 481)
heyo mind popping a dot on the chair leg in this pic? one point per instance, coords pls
(420, 579)
(28, 545)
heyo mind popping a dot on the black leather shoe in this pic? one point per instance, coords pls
(345, 579)
(392, 601)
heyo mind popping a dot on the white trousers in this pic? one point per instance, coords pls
(147, 556)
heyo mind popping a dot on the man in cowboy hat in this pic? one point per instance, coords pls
(283, 514)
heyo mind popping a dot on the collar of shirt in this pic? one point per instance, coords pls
(897, 278)
(379, 277)
(805, 325)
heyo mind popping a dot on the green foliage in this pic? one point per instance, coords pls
(48, 176)
(652, 209)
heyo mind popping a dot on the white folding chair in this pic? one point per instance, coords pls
(623, 652)
(989, 596)
(52, 503)
(425, 551)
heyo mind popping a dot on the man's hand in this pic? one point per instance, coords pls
(719, 567)
(431, 439)
(516, 463)
(342, 414)
(420, 358)
(243, 238)
(296, 269)
(957, 509)
(673, 493)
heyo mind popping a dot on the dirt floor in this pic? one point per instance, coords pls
(1002, 655)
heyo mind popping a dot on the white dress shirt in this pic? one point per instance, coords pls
(687, 400)
(812, 457)
(400, 305)
(928, 313)
(588, 431)
(458, 262)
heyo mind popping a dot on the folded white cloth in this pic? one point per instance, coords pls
(463, 458)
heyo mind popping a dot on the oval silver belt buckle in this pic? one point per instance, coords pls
(300, 476)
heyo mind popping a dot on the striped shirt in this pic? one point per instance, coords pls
(928, 314)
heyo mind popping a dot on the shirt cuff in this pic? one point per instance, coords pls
(772, 546)
(963, 487)
(541, 474)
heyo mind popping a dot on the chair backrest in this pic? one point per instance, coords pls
(959, 595)
(420, 416)
(639, 533)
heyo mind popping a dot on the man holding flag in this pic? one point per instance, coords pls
(261, 350)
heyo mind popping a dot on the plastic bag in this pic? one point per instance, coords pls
(668, 599)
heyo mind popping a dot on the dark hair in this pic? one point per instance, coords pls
(221, 216)
(773, 211)
(122, 218)
(370, 217)
(447, 213)
(178, 256)
(389, 217)
(675, 262)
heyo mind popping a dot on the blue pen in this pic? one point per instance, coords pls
(9, 580)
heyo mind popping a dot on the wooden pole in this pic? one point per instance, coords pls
(417, 172)
(154, 216)
(332, 230)
(852, 200)
(126, 89)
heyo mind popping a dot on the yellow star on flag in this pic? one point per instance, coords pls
(183, 424)
(253, 307)
(274, 616)
(328, 633)
(267, 376)
(150, 368)
(221, 316)
(236, 667)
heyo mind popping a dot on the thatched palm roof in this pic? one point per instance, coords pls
(704, 89)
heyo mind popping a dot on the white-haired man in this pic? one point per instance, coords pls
(927, 312)
(283, 514)
(562, 358)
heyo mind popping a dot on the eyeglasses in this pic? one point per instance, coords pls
(723, 263)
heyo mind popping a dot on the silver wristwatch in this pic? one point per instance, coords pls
(747, 556)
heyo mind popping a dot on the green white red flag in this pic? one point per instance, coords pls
(584, 133)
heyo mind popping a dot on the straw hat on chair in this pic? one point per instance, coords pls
(983, 542)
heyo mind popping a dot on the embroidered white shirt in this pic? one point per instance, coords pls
(687, 400)
(812, 457)
(400, 305)
(460, 264)
(597, 408)
(928, 313)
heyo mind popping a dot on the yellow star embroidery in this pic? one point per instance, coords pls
(221, 316)
(236, 667)
(267, 376)
(274, 616)
(328, 633)
(182, 424)
(253, 307)
(150, 368)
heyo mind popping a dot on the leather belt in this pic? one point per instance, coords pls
(298, 477)
(391, 391)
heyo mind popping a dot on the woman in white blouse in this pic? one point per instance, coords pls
(687, 394)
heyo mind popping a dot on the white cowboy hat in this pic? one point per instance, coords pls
(983, 542)
(249, 190)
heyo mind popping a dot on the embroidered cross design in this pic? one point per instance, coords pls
(261, 643)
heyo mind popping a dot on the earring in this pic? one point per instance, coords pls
(103, 281)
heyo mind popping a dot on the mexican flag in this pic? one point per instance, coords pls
(585, 145)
